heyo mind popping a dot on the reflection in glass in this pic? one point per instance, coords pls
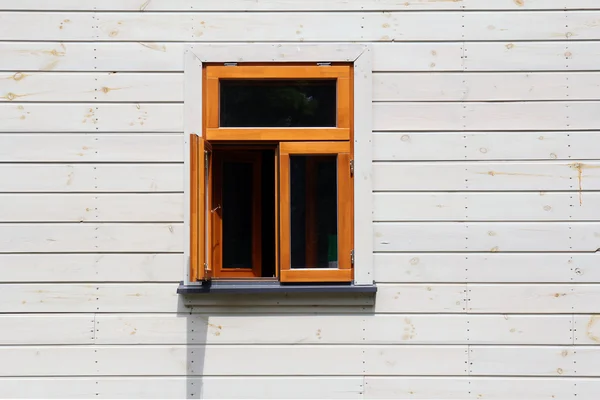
(278, 103)
(313, 208)
(237, 215)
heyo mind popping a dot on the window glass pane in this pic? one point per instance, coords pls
(237, 215)
(313, 211)
(278, 103)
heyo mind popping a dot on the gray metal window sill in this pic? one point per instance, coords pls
(271, 287)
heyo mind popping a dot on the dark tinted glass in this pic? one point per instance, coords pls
(237, 215)
(313, 208)
(278, 103)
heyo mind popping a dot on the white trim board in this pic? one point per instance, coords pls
(361, 56)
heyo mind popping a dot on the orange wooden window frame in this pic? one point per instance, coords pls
(254, 159)
(200, 195)
(342, 73)
(344, 272)
(205, 184)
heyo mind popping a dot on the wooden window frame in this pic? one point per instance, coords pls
(214, 73)
(360, 81)
(344, 272)
(200, 206)
(216, 222)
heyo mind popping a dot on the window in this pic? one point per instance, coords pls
(271, 175)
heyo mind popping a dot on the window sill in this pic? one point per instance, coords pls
(271, 287)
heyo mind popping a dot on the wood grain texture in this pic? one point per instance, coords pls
(298, 26)
(91, 87)
(31, 178)
(486, 236)
(77, 148)
(76, 238)
(91, 207)
(541, 298)
(47, 329)
(492, 86)
(90, 267)
(474, 176)
(481, 146)
(534, 361)
(76, 117)
(489, 267)
(166, 56)
(162, 387)
(531, 56)
(292, 5)
(486, 116)
(504, 206)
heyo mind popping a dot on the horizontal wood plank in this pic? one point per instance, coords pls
(224, 329)
(520, 329)
(534, 361)
(160, 387)
(531, 56)
(486, 236)
(292, 5)
(230, 360)
(91, 148)
(408, 298)
(167, 56)
(474, 116)
(36, 117)
(126, 237)
(416, 360)
(480, 146)
(219, 27)
(499, 176)
(486, 267)
(577, 25)
(28, 267)
(298, 26)
(180, 360)
(492, 86)
(91, 207)
(331, 387)
(91, 87)
(473, 387)
(46, 329)
(522, 206)
(541, 298)
(33, 178)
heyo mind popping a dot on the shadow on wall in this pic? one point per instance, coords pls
(198, 326)
(229, 335)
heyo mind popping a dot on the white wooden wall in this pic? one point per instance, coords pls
(487, 202)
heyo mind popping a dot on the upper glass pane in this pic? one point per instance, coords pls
(281, 103)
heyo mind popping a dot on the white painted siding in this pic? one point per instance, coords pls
(486, 181)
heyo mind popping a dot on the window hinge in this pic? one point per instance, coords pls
(206, 272)
(230, 64)
(351, 167)
(352, 256)
(324, 64)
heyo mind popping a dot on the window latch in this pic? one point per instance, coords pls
(352, 256)
(351, 167)
(230, 64)
(324, 64)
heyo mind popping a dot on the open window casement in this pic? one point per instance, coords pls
(271, 190)
(200, 203)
